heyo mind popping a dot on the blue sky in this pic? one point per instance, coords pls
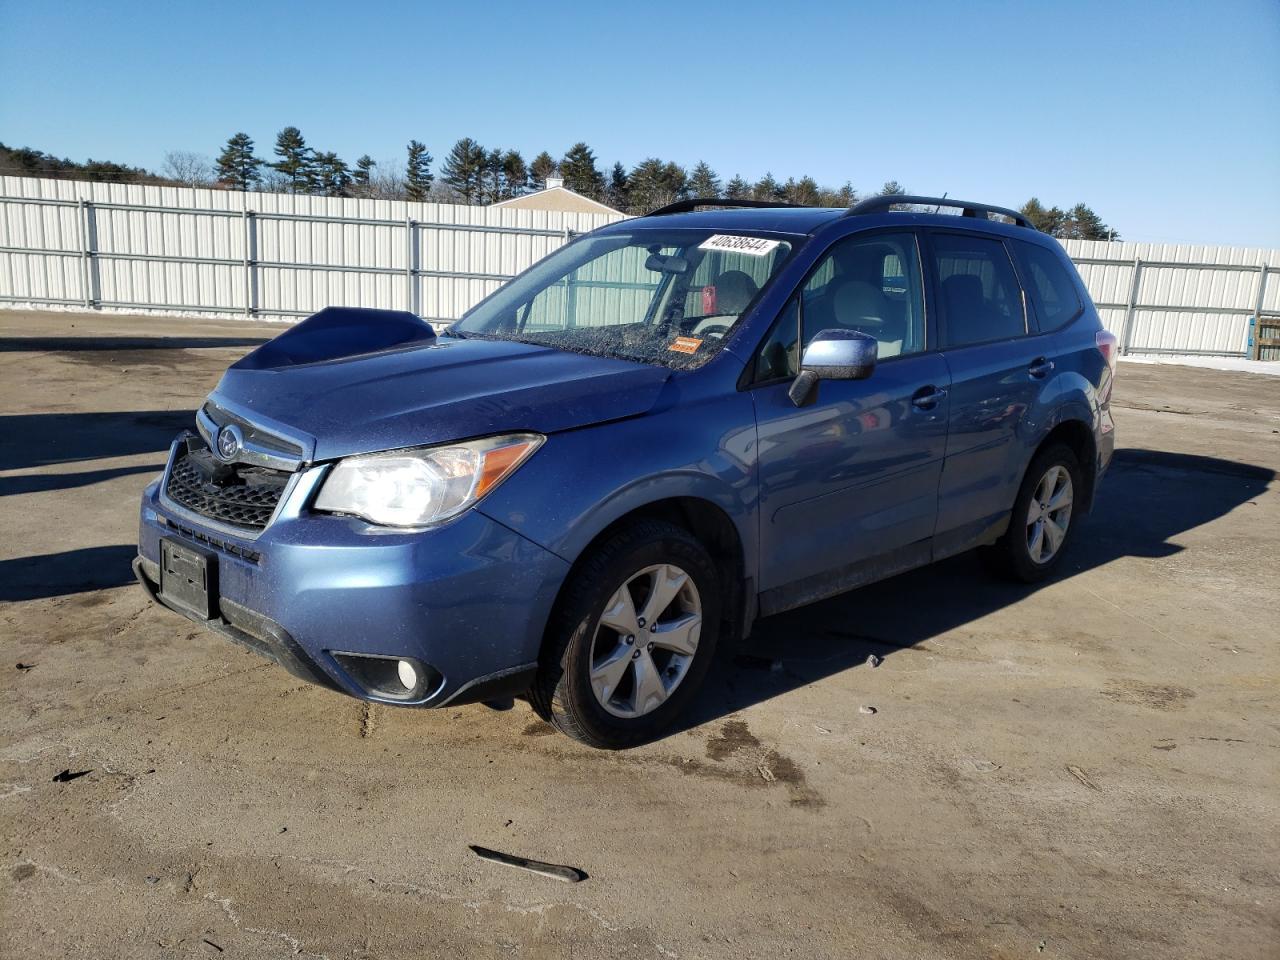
(1163, 116)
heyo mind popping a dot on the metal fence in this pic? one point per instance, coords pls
(213, 252)
(1182, 299)
(218, 253)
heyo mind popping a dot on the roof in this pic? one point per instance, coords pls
(560, 199)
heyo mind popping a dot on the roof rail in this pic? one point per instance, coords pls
(978, 210)
(685, 206)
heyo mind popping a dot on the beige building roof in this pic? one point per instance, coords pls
(556, 197)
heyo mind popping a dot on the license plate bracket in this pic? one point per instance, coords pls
(188, 578)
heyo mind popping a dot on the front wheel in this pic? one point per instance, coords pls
(1041, 524)
(631, 639)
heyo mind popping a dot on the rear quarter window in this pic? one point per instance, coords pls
(1049, 283)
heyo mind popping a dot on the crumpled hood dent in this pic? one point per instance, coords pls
(436, 392)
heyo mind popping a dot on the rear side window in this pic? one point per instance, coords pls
(1049, 284)
(981, 298)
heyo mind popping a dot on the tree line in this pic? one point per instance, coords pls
(474, 174)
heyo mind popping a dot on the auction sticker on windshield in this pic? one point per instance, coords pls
(754, 246)
(685, 344)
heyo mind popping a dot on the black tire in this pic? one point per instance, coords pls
(1010, 556)
(562, 694)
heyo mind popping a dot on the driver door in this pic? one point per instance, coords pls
(849, 483)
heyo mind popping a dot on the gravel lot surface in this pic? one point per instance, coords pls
(1086, 769)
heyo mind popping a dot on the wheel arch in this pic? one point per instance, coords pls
(1076, 435)
(715, 530)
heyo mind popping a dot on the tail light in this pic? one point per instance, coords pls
(1107, 345)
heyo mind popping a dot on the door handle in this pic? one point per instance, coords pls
(1040, 367)
(926, 398)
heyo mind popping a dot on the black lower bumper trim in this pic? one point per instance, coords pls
(245, 627)
(511, 682)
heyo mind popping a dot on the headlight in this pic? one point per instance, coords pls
(417, 488)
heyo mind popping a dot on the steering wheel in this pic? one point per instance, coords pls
(711, 327)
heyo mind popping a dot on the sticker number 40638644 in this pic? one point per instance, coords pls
(753, 246)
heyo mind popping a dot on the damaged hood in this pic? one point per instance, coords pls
(348, 388)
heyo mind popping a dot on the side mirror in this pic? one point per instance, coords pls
(833, 355)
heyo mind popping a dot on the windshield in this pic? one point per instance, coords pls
(666, 297)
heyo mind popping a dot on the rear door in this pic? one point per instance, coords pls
(997, 363)
(848, 483)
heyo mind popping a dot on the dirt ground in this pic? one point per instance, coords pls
(1087, 769)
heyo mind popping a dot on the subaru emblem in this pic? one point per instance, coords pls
(228, 442)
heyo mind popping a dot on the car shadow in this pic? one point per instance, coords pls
(48, 482)
(97, 344)
(61, 574)
(790, 650)
(43, 439)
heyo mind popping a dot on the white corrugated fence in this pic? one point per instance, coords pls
(1187, 299)
(134, 248)
(220, 252)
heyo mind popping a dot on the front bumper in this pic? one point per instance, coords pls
(469, 599)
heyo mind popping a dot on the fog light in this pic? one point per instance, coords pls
(390, 677)
(408, 675)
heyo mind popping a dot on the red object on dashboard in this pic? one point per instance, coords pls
(708, 300)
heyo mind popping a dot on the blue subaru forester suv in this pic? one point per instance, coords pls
(662, 431)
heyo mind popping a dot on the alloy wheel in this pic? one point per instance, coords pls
(1049, 514)
(645, 640)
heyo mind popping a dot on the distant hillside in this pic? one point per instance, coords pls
(25, 162)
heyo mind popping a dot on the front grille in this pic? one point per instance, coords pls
(238, 494)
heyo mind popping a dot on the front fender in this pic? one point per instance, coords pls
(581, 481)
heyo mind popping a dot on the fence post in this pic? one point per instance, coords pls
(1126, 335)
(250, 260)
(1256, 324)
(410, 264)
(88, 268)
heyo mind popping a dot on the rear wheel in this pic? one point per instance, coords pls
(1041, 524)
(632, 637)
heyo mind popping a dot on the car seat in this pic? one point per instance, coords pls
(966, 308)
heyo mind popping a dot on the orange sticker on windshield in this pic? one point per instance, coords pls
(685, 345)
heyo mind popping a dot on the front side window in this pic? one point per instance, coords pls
(658, 296)
(871, 284)
(1056, 298)
(981, 298)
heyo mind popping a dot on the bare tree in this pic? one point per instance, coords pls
(188, 167)
(386, 181)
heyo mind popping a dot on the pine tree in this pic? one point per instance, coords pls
(463, 169)
(767, 188)
(1081, 223)
(655, 184)
(1046, 220)
(892, 188)
(543, 166)
(417, 175)
(364, 168)
(803, 191)
(618, 193)
(237, 166)
(703, 182)
(737, 189)
(580, 173)
(515, 175)
(295, 159)
(491, 179)
(330, 174)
